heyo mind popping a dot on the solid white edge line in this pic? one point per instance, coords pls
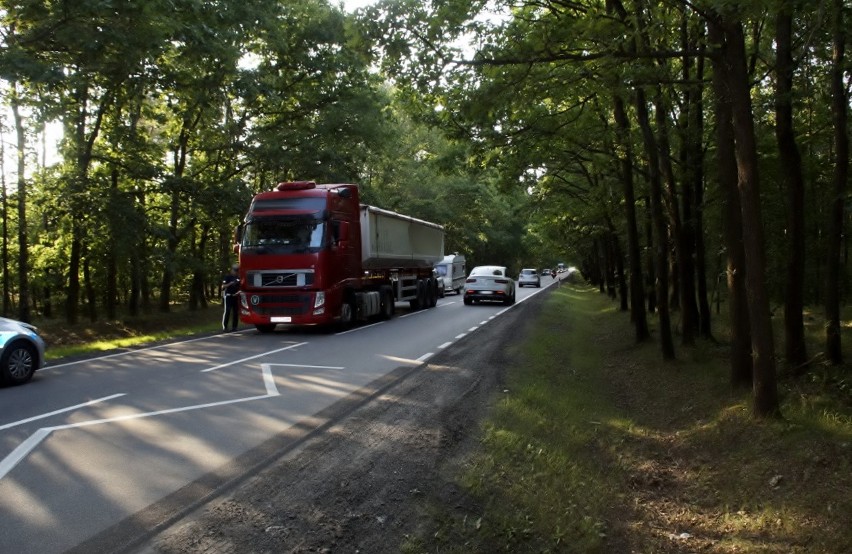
(53, 413)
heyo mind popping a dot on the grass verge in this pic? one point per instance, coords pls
(599, 446)
(99, 336)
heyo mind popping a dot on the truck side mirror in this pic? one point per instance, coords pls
(238, 238)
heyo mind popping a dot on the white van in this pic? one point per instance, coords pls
(452, 272)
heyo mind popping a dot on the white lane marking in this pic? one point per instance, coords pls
(269, 380)
(446, 344)
(313, 366)
(463, 335)
(19, 453)
(472, 329)
(53, 413)
(9, 462)
(253, 357)
(484, 321)
(359, 328)
(425, 357)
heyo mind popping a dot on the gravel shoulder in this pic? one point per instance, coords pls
(359, 483)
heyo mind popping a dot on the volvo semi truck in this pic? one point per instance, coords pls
(312, 254)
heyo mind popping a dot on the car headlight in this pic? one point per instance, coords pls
(319, 299)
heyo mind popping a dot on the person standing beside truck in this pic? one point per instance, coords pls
(230, 288)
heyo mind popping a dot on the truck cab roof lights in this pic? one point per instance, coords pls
(296, 185)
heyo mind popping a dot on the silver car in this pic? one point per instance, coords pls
(21, 351)
(529, 277)
(490, 283)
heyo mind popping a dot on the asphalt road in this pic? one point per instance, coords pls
(138, 437)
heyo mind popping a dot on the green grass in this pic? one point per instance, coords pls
(600, 446)
(84, 338)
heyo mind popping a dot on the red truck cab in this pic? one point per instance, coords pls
(299, 247)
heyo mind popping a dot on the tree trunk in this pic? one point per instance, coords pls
(741, 362)
(4, 208)
(637, 289)
(736, 84)
(111, 286)
(681, 229)
(791, 173)
(89, 286)
(23, 241)
(696, 172)
(660, 227)
(839, 109)
(623, 293)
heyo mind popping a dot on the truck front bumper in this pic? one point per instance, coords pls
(293, 308)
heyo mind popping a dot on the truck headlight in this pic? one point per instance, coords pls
(243, 301)
(319, 299)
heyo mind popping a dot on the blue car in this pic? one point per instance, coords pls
(21, 351)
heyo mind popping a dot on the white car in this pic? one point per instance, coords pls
(489, 283)
(529, 277)
(21, 351)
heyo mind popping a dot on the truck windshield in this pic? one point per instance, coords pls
(283, 234)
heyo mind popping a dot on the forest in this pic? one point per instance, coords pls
(690, 156)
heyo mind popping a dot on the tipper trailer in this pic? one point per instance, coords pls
(312, 254)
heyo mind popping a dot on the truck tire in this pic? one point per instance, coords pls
(420, 301)
(387, 308)
(347, 312)
(265, 327)
(431, 293)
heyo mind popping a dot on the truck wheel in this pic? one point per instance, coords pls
(431, 293)
(347, 312)
(387, 308)
(419, 302)
(265, 327)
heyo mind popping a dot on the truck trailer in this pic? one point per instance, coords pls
(312, 254)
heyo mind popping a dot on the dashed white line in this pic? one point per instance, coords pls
(446, 344)
(425, 356)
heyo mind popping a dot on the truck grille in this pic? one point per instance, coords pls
(280, 278)
(282, 304)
